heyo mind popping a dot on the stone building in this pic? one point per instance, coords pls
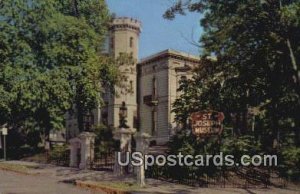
(153, 81)
(123, 38)
(159, 78)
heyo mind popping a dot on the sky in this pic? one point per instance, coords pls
(158, 33)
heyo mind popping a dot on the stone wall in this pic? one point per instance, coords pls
(167, 68)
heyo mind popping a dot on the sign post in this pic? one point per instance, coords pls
(207, 123)
(4, 133)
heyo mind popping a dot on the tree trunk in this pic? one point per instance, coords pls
(297, 132)
(80, 120)
(292, 55)
(237, 124)
(245, 122)
(293, 61)
(275, 128)
(75, 6)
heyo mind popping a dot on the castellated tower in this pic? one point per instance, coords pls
(124, 38)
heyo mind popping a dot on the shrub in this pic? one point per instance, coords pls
(59, 155)
(104, 141)
(290, 162)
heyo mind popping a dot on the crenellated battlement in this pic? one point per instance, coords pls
(126, 23)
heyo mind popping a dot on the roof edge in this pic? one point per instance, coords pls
(169, 52)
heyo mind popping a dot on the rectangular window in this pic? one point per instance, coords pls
(154, 88)
(104, 118)
(112, 43)
(135, 120)
(131, 86)
(153, 131)
(131, 42)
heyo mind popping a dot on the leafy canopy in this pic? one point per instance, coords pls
(51, 58)
(250, 71)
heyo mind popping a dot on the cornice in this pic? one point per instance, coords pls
(169, 55)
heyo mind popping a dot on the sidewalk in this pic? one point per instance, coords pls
(71, 175)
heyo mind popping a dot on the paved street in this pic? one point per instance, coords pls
(13, 183)
(48, 180)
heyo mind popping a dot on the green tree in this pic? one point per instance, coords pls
(250, 61)
(256, 46)
(51, 58)
(104, 141)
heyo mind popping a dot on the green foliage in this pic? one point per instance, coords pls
(104, 142)
(250, 61)
(33, 139)
(51, 59)
(244, 145)
(126, 64)
(15, 139)
(290, 162)
(94, 12)
(253, 43)
(59, 153)
(188, 144)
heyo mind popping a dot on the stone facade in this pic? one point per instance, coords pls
(159, 77)
(154, 82)
(123, 38)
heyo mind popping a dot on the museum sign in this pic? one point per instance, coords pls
(207, 123)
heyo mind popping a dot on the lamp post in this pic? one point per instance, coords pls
(123, 115)
(125, 138)
(4, 133)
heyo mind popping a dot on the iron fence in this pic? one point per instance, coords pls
(103, 161)
(106, 162)
(59, 159)
(242, 177)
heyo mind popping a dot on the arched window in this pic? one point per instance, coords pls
(131, 42)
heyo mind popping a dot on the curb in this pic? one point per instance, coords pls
(106, 189)
(16, 171)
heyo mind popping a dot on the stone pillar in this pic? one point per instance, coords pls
(75, 144)
(142, 144)
(87, 149)
(125, 137)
